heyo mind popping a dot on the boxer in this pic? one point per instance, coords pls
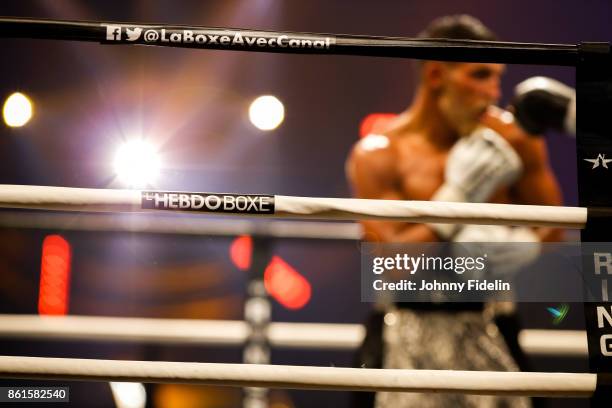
(450, 144)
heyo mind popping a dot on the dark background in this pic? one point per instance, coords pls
(88, 97)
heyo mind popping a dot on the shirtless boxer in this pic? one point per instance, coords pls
(451, 144)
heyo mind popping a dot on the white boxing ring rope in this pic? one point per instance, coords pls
(181, 225)
(269, 376)
(109, 200)
(337, 336)
(303, 377)
(554, 342)
(177, 331)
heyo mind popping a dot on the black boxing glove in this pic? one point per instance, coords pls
(542, 103)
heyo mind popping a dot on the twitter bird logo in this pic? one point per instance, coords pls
(133, 34)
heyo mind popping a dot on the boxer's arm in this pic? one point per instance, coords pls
(372, 174)
(537, 185)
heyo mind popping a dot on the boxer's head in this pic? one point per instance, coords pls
(462, 91)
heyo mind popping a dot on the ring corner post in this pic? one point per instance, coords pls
(257, 315)
(594, 141)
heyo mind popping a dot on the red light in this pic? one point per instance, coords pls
(241, 251)
(54, 276)
(375, 123)
(286, 285)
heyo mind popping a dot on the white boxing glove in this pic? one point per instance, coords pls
(476, 167)
(508, 249)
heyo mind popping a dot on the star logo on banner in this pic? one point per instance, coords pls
(600, 159)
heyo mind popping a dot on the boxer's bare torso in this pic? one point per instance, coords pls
(399, 162)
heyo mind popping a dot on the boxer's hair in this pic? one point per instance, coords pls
(455, 27)
(458, 27)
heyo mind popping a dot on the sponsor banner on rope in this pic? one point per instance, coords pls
(208, 202)
(216, 38)
(488, 271)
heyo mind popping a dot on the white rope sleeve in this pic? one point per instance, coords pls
(570, 343)
(432, 211)
(81, 199)
(181, 224)
(302, 377)
(68, 198)
(337, 336)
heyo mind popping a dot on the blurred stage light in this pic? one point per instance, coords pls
(54, 288)
(129, 395)
(285, 284)
(137, 163)
(241, 250)
(266, 112)
(17, 110)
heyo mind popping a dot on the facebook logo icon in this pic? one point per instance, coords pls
(113, 32)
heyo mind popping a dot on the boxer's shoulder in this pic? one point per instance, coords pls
(375, 155)
(376, 123)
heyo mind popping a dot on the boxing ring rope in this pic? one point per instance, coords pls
(178, 331)
(554, 342)
(278, 206)
(55, 198)
(337, 336)
(303, 377)
(181, 225)
(233, 39)
(303, 335)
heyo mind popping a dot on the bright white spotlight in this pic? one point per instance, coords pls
(129, 395)
(137, 163)
(266, 112)
(17, 110)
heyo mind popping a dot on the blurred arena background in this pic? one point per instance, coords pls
(192, 108)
